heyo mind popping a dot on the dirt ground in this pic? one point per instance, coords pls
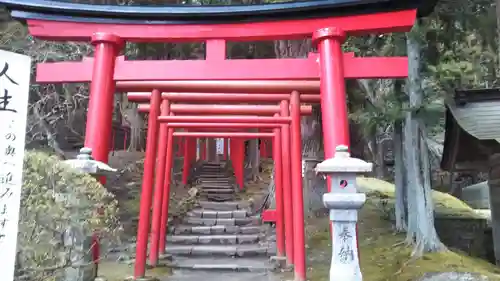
(126, 186)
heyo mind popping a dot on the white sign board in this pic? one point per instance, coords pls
(219, 144)
(14, 90)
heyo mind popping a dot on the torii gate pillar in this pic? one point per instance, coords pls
(332, 90)
(100, 109)
(102, 90)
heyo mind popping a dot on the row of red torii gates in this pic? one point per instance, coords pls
(265, 145)
(283, 126)
(275, 87)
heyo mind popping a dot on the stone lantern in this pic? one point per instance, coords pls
(344, 201)
(86, 164)
(76, 237)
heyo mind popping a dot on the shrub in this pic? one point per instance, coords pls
(56, 198)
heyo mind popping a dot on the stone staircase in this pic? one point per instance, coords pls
(222, 233)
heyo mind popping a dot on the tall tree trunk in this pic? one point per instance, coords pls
(380, 168)
(376, 148)
(421, 231)
(399, 178)
(136, 123)
(377, 153)
(312, 148)
(401, 194)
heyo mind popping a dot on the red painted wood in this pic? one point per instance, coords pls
(299, 255)
(214, 109)
(147, 187)
(225, 119)
(248, 135)
(269, 216)
(277, 155)
(255, 69)
(220, 86)
(228, 129)
(287, 184)
(222, 97)
(99, 117)
(156, 220)
(226, 126)
(166, 195)
(399, 21)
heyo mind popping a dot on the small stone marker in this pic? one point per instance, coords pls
(344, 202)
(76, 237)
(15, 72)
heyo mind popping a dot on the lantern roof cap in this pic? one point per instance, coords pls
(86, 164)
(342, 162)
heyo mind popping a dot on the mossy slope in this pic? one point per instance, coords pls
(444, 203)
(384, 256)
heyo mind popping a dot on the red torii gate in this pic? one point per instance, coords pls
(217, 74)
(226, 98)
(194, 108)
(220, 109)
(202, 109)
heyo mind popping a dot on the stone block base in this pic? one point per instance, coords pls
(145, 278)
(279, 263)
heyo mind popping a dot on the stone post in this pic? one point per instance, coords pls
(344, 201)
(76, 237)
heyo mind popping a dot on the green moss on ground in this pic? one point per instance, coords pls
(384, 255)
(444, 203)
(114, 271)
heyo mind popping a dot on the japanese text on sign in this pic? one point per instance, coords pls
(14, 90)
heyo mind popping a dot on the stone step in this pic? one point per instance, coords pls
(250, 250)
(210, 222)
(213, 175)
(212, 165)
(216, 186)
(223, 264)
(228, 187)
(224, 206)
(216, 229)
(214, 239)
(211, 168)
(216, 181)
(209, 214)
(214, 197)
(214, 178)
(218, 191)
